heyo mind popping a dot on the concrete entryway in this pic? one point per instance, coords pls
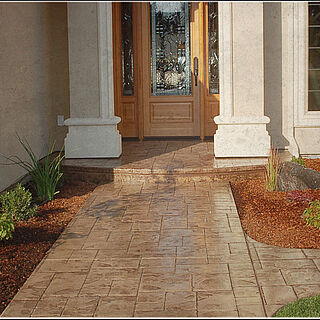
(163, 161)
(163, 249)
(147, 250)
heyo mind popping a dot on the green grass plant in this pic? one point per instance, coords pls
(298, 160)
(45, 174)
(272, 170)
(303, 308)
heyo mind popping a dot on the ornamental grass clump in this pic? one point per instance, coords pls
(17, 203)
(272, 170)
(45, 173)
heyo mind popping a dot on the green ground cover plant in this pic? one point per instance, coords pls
(306, 308)
(312, 214)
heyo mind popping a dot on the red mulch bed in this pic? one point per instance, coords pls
(31, 239)
(275, 217)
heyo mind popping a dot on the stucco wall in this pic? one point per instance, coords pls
(34, 82)
(247, 59)
(83, 50)
(308, 140)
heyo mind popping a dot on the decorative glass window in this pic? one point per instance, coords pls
(213, 50)
(314, 57)
(170, 48)
(127, 49)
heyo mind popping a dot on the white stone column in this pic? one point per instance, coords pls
(92, 125)
(241, 124)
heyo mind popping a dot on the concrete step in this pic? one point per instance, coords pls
(103, 175)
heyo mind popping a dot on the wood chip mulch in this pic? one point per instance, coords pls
(31, 239)
(275, 217)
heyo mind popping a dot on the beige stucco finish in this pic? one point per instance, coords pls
(83, 56)
(248, 77)
(34, 79)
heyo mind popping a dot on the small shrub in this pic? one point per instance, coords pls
(6, 226)
(298, 160)
(312, 214)
(45, 174)
(272, 170)
(17, 203)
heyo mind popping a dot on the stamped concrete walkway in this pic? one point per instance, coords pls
(163, 250)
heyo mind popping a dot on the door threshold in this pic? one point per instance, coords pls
(172, 138)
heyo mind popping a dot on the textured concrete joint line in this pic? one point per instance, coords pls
(248, 249)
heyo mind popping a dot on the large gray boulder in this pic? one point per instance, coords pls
(293, 176)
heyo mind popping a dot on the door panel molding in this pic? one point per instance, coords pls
(171, 112)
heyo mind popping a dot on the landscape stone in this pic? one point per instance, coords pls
(293, 176)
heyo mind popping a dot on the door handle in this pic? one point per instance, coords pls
(196, 70)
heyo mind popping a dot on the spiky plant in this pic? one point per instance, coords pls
(272, 169)
(45, 174)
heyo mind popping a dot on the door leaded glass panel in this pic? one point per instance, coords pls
(127, 49)
(170, 48)
(213, 50)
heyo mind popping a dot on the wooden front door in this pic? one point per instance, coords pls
(161, 69)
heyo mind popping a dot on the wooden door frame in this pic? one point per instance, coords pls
(206, 101)
(119, 99)
(210, 101)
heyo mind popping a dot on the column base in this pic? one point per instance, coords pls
(241, 137)
(93, 138)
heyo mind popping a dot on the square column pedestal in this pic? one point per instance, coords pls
(92, 124)
(93, 138)
(241, 124)
(241, 137)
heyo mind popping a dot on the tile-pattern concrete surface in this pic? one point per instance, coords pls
(157, 156)
(163, 250)
(169, 155)
(284, 274)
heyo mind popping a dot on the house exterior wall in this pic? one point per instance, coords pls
(291, 126)
(302, 125)
(83, 51)
(34, 79)
(306, 123)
